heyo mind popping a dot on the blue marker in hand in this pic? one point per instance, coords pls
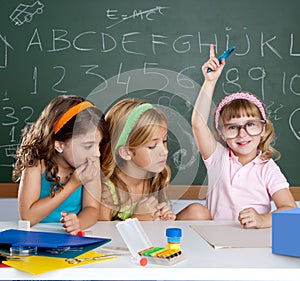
(225, 55)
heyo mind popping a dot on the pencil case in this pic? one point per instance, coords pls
(140, 245)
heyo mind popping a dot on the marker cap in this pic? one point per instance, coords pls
(173, 232)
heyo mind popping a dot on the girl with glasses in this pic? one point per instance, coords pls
(243, 178)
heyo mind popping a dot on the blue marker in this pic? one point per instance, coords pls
(225, 55)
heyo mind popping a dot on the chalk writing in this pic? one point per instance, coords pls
(6, 45)
(274, 113)
(109, 50)
(113, 14)
(24, 13)
(6, 153)
(130, 43)
(35, 79)
(294, 122)
(60, 79)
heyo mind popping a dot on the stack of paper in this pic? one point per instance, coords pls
(52, 249)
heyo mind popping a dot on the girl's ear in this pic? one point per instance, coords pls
(59, 146)
(125, 153)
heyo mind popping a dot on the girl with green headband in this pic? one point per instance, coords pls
(134, 166)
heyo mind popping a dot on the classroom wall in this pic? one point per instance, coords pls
(109, 49)
(9, 207)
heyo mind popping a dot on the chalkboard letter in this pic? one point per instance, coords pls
(78, 37)
(38, 42)
(125, 42)
(59, 39)
(187, 43)
(154, 41)
(114, 43)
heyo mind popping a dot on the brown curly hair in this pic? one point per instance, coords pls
(38, 138)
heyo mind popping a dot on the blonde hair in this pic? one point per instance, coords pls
(38, 139)
(243, 107)
(141, 133)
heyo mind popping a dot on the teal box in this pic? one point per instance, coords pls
(286, 232)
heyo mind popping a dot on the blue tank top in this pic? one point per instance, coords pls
(72, 204)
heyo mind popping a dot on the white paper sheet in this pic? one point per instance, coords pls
(234, 236)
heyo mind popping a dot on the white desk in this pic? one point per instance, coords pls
(203, 262)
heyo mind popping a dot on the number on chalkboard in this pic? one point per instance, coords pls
(34, 77)
(60, 79)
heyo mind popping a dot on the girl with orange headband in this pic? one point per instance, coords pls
(242, 176)
(58, 165)
(135, 166)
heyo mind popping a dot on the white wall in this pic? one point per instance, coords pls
(9, 209)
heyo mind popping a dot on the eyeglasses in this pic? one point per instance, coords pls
(252, 127)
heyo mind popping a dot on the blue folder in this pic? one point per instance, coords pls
(50, 243)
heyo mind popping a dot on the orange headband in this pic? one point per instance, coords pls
(69, 114)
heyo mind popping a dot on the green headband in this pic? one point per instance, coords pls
(130, 122)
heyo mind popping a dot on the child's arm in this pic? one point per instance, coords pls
(90, 199)
(283, 200)
(203, 136)
(106, 205)
(164, 212)
(145, 209)
(105, 213)
(34, 209)
(31, 207)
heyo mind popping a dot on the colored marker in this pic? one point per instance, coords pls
(225, 55)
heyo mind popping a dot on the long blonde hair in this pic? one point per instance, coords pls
(243, 107)
(141, 133)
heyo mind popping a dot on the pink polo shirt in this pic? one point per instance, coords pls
(233, 187)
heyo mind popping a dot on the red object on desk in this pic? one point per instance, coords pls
(143, 261)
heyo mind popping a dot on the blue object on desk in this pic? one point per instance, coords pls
(286, 232)
(50, 243)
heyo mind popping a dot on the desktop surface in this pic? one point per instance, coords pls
(202, 261)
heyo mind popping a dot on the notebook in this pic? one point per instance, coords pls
(49, 243)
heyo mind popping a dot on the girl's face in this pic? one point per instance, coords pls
(152, 156)
(243, 145)
(77, 150)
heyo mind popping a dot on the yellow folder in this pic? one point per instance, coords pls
(41, 264)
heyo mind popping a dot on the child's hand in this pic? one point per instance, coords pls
(147, 206)
(249, 218)
(164, 212)
(70, 223)
(87, 171)
(214, 64)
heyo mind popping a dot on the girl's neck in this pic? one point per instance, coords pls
(134, 185)
(245, 159)
(64, 169)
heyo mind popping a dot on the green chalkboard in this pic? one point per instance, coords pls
(107, 50)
